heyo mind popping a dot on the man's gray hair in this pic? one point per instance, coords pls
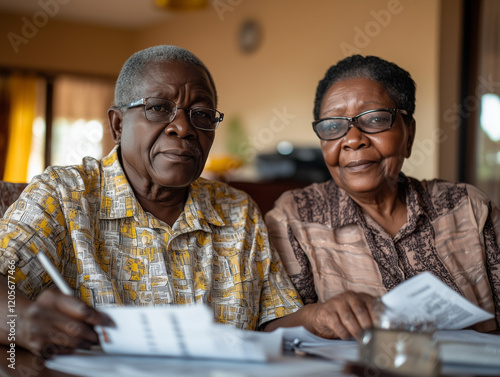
(133, 69)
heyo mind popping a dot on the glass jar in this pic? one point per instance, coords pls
(400, 344)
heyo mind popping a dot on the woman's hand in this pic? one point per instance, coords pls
(344, 316)
(57, 324)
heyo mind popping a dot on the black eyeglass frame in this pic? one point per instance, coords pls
(353, 122)
(142, 102)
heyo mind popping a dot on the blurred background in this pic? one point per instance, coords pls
(59, 60)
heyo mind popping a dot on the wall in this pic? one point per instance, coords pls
(62, 46)
(272, 90)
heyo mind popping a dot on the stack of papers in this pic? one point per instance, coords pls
(94, 364)
(468, 348)
(189, 332)
(184, 341)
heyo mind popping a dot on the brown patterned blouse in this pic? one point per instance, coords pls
(328, 245)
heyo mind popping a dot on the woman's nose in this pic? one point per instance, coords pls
(355, 138)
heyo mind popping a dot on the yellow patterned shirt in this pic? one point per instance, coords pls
(111, 252)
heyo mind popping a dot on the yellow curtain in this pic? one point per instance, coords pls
(4, 121)
(22, 113)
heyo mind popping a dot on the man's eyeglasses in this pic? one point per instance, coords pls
(161, 110)
(370, 122)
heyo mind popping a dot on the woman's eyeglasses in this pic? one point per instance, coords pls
(370, 122)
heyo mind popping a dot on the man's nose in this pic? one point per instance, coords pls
(181, 125)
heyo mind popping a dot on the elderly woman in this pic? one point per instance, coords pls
(353, 238)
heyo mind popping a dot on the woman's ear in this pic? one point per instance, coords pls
(411, 138)
(115, 123)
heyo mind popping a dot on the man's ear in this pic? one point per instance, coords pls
(411, 138)
(115, 123)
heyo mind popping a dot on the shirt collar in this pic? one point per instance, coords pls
(118, 200)
(348, 212)
(416, 206)
(199, 210)
(117, 197)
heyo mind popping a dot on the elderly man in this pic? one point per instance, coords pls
(140, 227)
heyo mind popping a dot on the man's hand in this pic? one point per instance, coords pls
(56, 324)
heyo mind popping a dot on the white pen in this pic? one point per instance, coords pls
(54, 274)
(63, 286)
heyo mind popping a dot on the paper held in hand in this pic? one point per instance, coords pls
(428, 298)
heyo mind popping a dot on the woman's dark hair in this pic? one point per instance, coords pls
(398, 82)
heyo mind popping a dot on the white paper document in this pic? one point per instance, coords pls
(189, 332)
(468, 347)
(92, 364)
(156, 341)
(428, 298)
(183, 331)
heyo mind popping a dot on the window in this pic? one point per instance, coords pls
(66, 121)
(480, 143)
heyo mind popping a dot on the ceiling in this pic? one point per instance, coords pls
(117, 13)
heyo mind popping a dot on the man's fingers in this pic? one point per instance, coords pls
(77, 330)
(75, 308)
(57, 323)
